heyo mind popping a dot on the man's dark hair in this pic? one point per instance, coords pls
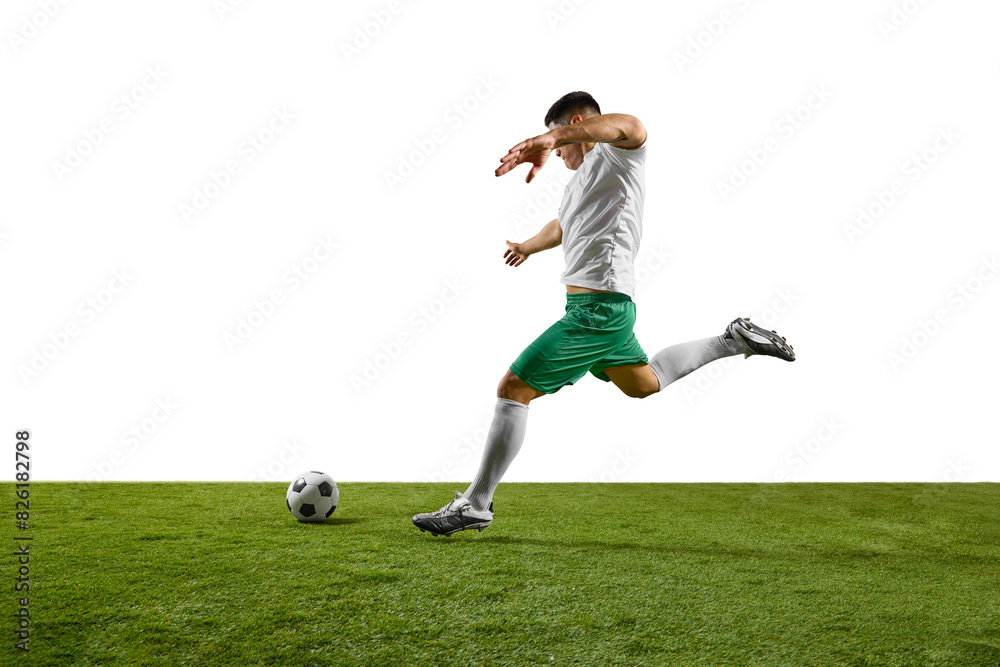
(569, 105)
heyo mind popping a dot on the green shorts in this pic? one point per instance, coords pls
(596, 333)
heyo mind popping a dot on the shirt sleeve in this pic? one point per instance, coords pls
(628, 157)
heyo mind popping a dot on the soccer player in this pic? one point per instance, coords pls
(599, 227)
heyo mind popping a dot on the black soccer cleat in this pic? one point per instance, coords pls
(754, 339)
(457, 515)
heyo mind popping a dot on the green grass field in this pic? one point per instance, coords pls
(586, 574)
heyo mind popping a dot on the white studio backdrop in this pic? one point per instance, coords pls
(243, 239)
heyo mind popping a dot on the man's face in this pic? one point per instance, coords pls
(572, 155)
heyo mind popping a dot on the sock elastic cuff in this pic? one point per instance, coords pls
(659, 378)
(507, 401)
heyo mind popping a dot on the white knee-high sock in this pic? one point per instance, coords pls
(676, 361)
(510, 420)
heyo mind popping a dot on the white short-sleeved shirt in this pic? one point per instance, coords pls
(601, 219)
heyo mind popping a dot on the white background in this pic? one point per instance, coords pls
(779, 248)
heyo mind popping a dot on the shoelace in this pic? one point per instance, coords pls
(444, 510)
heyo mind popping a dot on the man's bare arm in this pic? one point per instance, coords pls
(549, 237)
(618, 129)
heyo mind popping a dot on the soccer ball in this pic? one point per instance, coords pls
(312, 497)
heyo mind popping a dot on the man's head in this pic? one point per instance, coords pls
(572, 108)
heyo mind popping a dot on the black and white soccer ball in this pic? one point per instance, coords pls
(312, 497)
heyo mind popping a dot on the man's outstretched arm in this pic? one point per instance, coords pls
(618, 129)
(549, 237)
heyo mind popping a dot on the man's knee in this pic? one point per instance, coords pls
(649, 385)
(635, 381)
(641, 391)
(514, 388)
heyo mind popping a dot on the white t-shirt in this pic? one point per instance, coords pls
(601, 219)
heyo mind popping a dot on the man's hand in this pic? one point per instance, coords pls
(515, 254)
(534, 151)
(549, 237)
